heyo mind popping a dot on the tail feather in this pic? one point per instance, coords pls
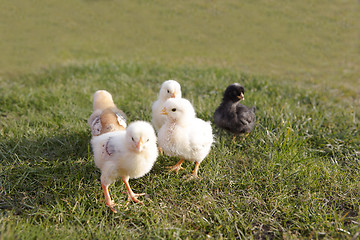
(109, 121)
(106, 117)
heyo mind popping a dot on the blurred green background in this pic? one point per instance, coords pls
(316, 42)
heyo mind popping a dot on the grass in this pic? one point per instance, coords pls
(295, 176)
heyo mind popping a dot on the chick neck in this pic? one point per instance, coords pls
(163, 97)
(230, 98)
(183, 121)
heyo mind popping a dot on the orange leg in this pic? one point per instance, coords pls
(131, 195)
(160, 151)
(177, 166)
(234, 139)
(110, 203)
(196, 169)
(242, 137)
(194, 174)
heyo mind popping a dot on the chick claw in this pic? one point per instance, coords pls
(191, 177)
(134, 197)
(176, 167)
(111, 204)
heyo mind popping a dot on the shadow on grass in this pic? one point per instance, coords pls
(40, 172)
(49, 149)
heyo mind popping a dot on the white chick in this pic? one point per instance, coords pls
(126, 154)
(106, 117)
(183, 135)
(169, 89)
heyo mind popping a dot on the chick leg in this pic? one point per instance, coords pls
(194, 174)
(110, 203)
(177, 166)
(130, 193)
(160, 150)
(196, 169)
(242, 137)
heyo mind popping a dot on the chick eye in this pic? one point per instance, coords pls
(147, 140)
(132, 139)
(168, 91)
(174, 109)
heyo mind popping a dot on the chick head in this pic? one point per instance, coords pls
(234, 93)
(170, 89)
(139, 135)
(178, 110)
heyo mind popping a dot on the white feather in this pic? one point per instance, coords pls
(116, 154)
(183, 135)
(169, 89)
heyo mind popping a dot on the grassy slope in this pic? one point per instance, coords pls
(296, 175)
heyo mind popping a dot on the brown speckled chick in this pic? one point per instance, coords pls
(106, 117)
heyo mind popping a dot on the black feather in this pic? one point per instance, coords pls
(233, 116)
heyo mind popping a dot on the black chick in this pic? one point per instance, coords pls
(231, 115)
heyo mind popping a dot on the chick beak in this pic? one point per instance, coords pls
(164, 112)
(241, 97)
(173, 95)
(140, 145)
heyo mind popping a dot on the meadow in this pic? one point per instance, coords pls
(296, 176)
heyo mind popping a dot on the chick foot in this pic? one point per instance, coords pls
(111, 204)
(131, 195)
(191, 177)
(134, 197)
(194, 174)
(177, 167)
